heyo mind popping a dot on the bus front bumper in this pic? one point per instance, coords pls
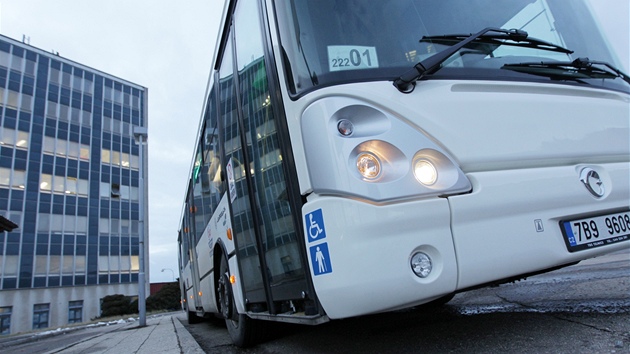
(360, 253)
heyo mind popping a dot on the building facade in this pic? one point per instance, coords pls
(69, 178)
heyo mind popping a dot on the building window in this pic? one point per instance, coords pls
(9, 265)
(69, 149)
(103, 264)
(11, 137)
(68, 265)
(5, 320)
(4, 59)
(18, 181)
(75, 311)
(41, 265)
(63, 185)
(5, 177)
(40, 315)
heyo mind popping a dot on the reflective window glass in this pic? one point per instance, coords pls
(56, 224)
(43, 224)
(125, 263)
(4, 58)
(84, 152)
(5, 176)
(69, 225)
(16, 63)
(41, 265)
(115, 226)
(103, 225)
(82, 224)
(11, 263)
(26, 103)
(62, 147)
(135, 263)
(125, 159)
(54, 76)
(71, 185)
(105, 190)
(68, 264)
(103, 264)
(19, 179)
(55, 264)
(51, 110)
(12, 99)
(83, 187)
(49, 145)
(22, 139)
(106, 156)
(7, 137)
(79, 264)
(59, 184)
(115, 158)
(73, 150)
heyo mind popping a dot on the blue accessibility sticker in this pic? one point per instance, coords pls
(320, 259)
(314, 222)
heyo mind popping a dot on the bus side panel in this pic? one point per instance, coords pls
(205, 260)
(186, 279)
(359, 254)
(218, 231)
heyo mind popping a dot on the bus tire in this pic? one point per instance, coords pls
(242, 329)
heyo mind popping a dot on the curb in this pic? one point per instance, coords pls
(187, 343)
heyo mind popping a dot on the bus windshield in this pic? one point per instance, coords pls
(329, 42)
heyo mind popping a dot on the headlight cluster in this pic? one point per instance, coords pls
(355, 149)
(379, 161)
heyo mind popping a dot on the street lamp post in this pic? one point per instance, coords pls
(163, 269)
(140, 136)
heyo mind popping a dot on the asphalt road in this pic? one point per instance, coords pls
(580, 309)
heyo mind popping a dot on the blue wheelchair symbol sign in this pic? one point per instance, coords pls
(320, 259)
(314, 222)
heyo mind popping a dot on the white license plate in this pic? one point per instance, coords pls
(596, 231)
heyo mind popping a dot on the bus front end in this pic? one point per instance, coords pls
(441, 148)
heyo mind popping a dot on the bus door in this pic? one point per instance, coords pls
(192, 253)
(266, 227)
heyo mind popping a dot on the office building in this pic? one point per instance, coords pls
(69, 179)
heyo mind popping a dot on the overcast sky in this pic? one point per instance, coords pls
(167, 46)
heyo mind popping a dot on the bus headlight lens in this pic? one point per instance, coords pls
(369, 165)
(425, 172)
(421, 264)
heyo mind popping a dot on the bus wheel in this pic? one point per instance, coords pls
(241, 328)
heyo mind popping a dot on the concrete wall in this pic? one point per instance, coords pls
(22, 302)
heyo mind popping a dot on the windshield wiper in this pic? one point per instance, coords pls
(500, 39)
(407, 81)
(580, 68)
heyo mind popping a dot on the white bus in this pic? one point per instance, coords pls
(361, 156)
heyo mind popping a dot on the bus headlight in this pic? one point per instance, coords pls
(421, 264)
(369, 165)
(425, 172)
(355, 149)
